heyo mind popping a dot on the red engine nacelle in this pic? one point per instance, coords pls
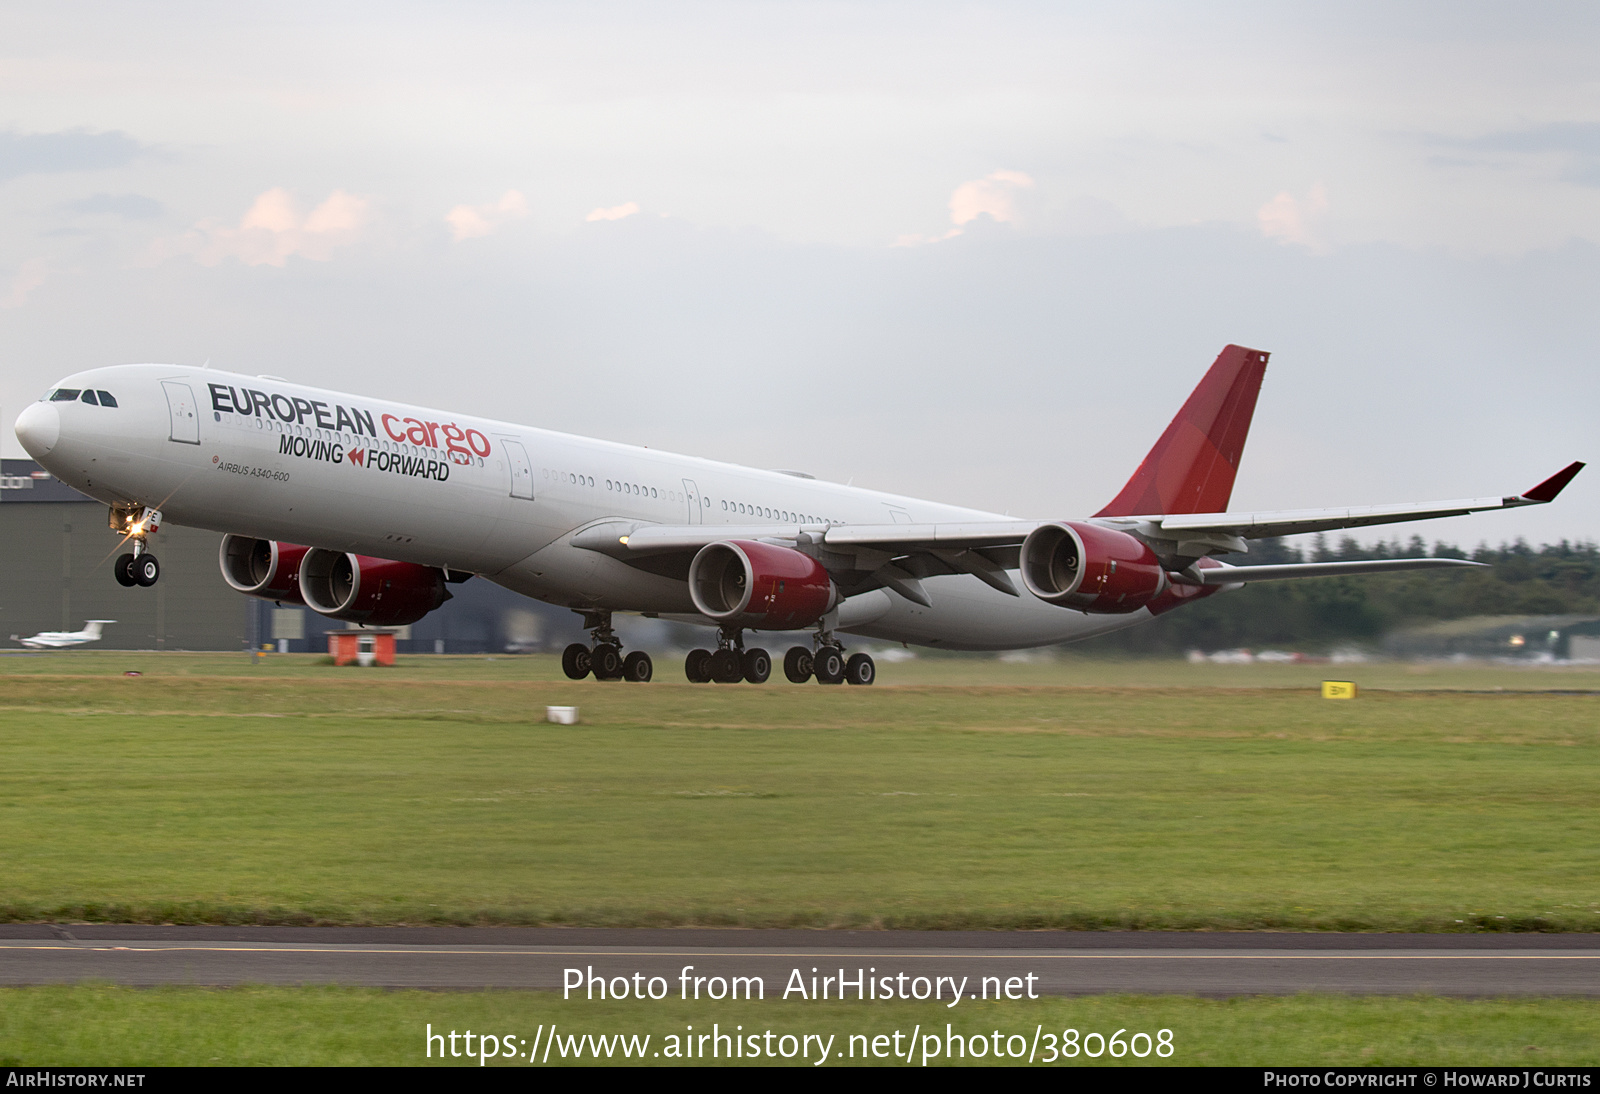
(262, 567)
(760, 585)
(1091, 568)
(376, 591)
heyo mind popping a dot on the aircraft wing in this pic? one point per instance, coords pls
(1220, 573)
(863, 556)
(654, 539)
(859, 556)
(1292, 522)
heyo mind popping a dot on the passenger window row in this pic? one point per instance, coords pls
(637, 490)
(744, 509)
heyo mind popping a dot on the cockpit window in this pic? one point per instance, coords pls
(64, 395)
(89, 397)
(106, 399)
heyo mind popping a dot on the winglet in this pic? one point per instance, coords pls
(1549, 488)
(1191, 468)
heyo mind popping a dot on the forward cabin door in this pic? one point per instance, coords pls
(521, 469)
(691, 496)
(181, 409)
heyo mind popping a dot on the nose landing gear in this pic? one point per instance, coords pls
(604, 657)
(138, 567)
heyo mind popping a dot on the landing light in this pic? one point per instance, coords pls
(622, 540)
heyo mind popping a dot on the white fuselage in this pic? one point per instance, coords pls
(274, 460)
(64, 640)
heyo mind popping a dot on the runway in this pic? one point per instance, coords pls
(980, 963)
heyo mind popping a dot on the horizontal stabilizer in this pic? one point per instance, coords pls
(1244, 575)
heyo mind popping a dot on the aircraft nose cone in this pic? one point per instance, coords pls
(39, 428)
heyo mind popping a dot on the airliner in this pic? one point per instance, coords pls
(61, 640)
(368, 511)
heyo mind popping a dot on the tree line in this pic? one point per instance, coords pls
(1317, 613)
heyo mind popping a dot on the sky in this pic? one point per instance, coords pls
(971, 252)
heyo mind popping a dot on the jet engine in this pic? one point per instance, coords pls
(1090, 568)
(761, 585)
(263, 567)
(378, 592)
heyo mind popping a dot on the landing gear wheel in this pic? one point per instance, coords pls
(726, 667)
(607, 662)
(636, 667)
(829, 665)
(697, 666)
(575, 661)
(124, 571)
(146, 570)
(860, 670)
(797, 665)
(757, 666)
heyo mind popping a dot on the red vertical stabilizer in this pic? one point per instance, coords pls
(1191, 468)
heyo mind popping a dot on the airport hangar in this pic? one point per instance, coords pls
(58, 552)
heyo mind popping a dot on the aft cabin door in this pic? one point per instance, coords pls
(521, 469)
(180, 405)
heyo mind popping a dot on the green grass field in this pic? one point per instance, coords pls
(960, 792)
(106, 1026)
(1067, 794)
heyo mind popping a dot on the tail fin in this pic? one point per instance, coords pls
(1191, 468)
(91, 627)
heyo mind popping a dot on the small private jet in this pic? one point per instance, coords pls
(62, 640)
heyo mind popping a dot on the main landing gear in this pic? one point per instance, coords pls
(604, 657)
(138, 567)
(730, 662)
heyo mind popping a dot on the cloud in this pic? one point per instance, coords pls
(474, 221)
(273, 231)
(26, 279)
(993, 195)
(1292, 220)
(127, 206)
(1577, 142)
(70, 150)
(616, 212)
